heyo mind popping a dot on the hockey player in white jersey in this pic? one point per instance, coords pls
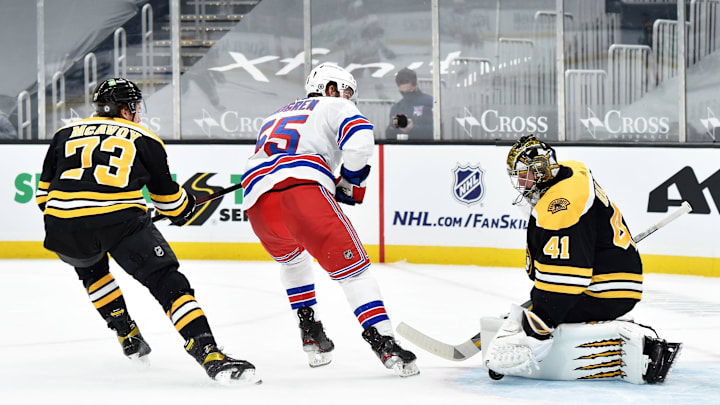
(291, 197)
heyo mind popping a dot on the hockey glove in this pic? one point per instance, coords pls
(182, 218)
(350, 186)
(520, 344)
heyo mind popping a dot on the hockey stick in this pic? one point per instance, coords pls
(207, 198)
(685, 207)
(472, 346)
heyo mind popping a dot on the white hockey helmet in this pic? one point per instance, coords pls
(325, 73)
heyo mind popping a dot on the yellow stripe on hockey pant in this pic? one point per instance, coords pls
(84, 212)
(94, 195)
(616, 294)
(100, 283)
(189, 317)
(43, 185)
(107, 299)
(617, 277)
(41, 199)
(179, 302)
(563, 289)
(573, 271)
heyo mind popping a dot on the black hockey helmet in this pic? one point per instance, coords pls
(113, 94)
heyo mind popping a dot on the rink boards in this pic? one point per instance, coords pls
(448, 204)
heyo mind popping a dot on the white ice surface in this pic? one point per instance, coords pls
(55, 349)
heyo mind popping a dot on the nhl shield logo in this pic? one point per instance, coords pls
(159, 252)
(469, 187)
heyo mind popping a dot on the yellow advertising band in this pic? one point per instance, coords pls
(493, 257)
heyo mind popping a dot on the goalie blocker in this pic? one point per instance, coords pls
(598, 351)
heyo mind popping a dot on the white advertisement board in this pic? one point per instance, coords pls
(205, 169)
(433, 195)
(461, 195)
(450, 196)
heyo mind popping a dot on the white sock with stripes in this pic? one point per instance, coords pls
(363, 295)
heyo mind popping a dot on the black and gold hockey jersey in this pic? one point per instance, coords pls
(95, 169)
(579, 247)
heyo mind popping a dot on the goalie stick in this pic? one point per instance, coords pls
(472, 346)
(206, 199)
(685, 207)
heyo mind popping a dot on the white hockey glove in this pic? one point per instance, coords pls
(350, 186)
(520, 344)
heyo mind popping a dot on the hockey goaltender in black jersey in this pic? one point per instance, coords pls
(585, 268)
(90, 192)
(580, 253)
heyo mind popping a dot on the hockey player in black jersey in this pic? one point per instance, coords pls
(580, 255)
(91, 198)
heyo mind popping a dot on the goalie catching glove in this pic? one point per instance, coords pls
(350, 186)
(522, 341)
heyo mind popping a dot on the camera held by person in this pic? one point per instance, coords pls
(400, 121)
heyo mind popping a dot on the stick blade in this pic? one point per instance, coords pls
(459, 352)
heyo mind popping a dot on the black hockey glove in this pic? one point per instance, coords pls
(187, 213)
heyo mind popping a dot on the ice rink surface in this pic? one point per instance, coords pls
(55, 349)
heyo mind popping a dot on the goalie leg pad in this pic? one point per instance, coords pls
(597, 351)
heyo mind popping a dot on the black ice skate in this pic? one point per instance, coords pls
(315, 342)
(390, 353)
(133, 344)
(218, 366)
(662, 356)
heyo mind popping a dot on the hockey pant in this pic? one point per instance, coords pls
(301, 222)
(139, 248)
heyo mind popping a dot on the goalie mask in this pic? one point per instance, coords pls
(530, 164)
(326, 73)
(112, 95)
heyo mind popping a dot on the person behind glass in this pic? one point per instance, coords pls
(411, 117)
(90, 193)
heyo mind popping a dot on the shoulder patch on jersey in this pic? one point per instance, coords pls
(557, 205)
(564, 203)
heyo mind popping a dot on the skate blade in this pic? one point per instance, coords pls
(319, 359)
(406, 369)
(248, 377)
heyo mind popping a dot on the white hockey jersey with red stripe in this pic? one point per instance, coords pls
(307, 139)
